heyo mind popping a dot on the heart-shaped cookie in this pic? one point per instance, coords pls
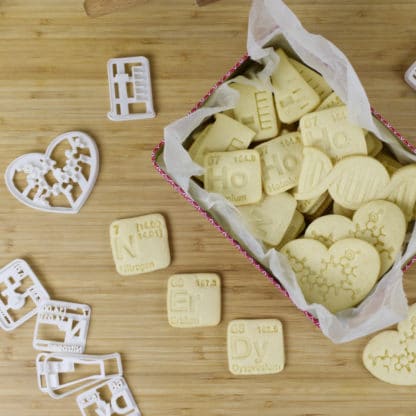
(391, 355)
(339, 277)
(44, 179)
(380, 223)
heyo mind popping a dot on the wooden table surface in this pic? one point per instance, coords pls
(53, 79)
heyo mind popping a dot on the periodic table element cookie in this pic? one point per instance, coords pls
(388, 162)
(340, 210)
(140, 244)
(62, 327)
(112, 398)
(315, 80)
(54, 183)
(356, 180)
(331, 132)
(316, 166)
(255, 109)
(235, 175)
(382, 224)
(329, 229)
(295, 228)
(21, 294)
(255, 346)
(390, 356)
(281, 161)
(294, 97)
(374, 145)
(194, 300)
(339, 277)
(331, 101)
(224, 135)
(269, 219)
(130, 89)
(403, 190)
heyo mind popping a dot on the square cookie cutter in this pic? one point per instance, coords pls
(53, 368)
(69, 322)
(130, 89)
(20, 290)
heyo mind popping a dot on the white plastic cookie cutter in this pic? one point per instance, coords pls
(61, 375)
(410, 76)
(21, 294)
(45, 178)
(130, 89)
(121, 401)
(71, 319)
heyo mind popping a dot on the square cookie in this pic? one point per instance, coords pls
(140, 244)
(194, 300)
(255, 346)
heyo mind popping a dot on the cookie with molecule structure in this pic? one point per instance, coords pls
(330, 228)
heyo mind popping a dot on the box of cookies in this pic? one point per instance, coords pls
(286, 158)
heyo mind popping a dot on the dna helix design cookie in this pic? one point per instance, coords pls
(339, 277)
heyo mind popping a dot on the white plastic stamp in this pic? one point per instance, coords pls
(61, 375)
(110, 398)
(53, 182)
(410, 76)
(21, 293)
(130, 89)
(62, 327)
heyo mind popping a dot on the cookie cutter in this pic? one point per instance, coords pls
(92, 402)
(410, 76)
(70, 319)
(53, 368)
(130, 87)
(19, 287)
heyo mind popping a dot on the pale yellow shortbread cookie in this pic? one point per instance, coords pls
(339, 277)
(382, 224)
(316, 166)
(331, 131)
(315, 80)
(255, 346)
(340, 210)
(331, 101)
(236, 175)
(295, 228)
(330, 228)
(403, 190)
(270, 218)
(309, 206)
(391, 355)
(374, 145)
(281, 161)
(225, 134)
(356, 180)
(255, 109)
(140, 244)
(194, 300)
(320, 209)
(294, 97)
(388, 162)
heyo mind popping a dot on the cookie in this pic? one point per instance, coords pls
(194, 300)
(225, 134)
(316, 166)
(331, 101)
(329, 229)
(255, 109)
(295, 228)
(374, 145)
(356, 180)
(315, 80)
(309, 206)
(235, 175)
(294, 97)
(340, 210)
(388, 162)
(331, 132)
(255, 346)
(270, 218)
(320, 209)
(140, 244)
(391, 355)
(281, 161)
(339, 277)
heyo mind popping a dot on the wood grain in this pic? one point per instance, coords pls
(53, 79)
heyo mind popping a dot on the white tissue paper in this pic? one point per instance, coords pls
(272, 23)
